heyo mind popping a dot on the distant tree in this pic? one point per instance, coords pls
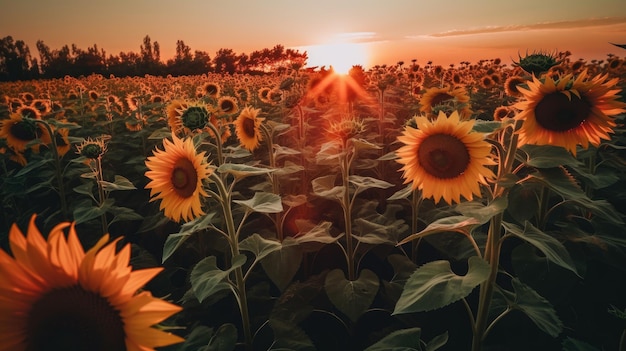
(150, 57)
(225, 61)
(15, 60)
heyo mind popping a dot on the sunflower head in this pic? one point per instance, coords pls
(444, 158)
(176, 176)
(537, 62)
(92, 149)
(19, 131)
(57, 296)
(211, 89)
(248, 128)
(346, 129)
(569, 111)
(227, 105)
(195, 117)
(447, 99)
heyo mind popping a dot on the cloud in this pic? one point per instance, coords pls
(590, 22)
(356, 37)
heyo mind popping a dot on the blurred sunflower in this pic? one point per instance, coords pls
(61, 137)
(92, 149)
(248, 128)
(211, 89)
(28, 112)
(56, 296)
(444, 159)
(176, 175)
(457, 96)
(511, 84)
(227, 105)
(569, 111)
(19, 131)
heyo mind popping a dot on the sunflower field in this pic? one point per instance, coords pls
(404, 207)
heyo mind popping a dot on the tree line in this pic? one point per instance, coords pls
(17, 63)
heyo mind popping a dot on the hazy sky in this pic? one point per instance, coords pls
(445, 31)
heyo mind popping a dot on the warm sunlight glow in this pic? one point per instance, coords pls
(342, 56)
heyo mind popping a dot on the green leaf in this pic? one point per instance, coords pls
(602, 178)
(388, 156)
(207, 279)
(374, 233)
(549, 246)
(524, 201)
(325, 187)
(537, 308)
(120, 183)
(562, 183)
(224, 339)
(402, 193)
(288, 336)
(351, 297)
(123, 214)
(483, 126)
(288, 168)
(434, 285)
(570, 344)
(364, 183)
(437, 342)
(362, 144)
(283, 151)
(241, 171)
(319, 233)
(482, 213)
(160, 134)
(263, 203)
(283, 264)
(404, 339)
(87, 212)
(172, 243)
(548, 156)
(459, 224)
(86, 189)
(259, 246)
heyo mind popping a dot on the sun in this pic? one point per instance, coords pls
(341, 56)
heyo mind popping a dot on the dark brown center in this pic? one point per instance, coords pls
(443, 156)
(558, 113)
(184, 178)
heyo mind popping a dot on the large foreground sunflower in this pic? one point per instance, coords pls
(568, 111)
(177, 173)
(248, 128)
(444, 159)
(56, 296)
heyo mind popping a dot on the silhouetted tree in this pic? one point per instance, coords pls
(225, 61)
(15, 60)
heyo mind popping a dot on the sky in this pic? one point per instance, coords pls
(379, 31)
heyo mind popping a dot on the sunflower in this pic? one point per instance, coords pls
(92, 149)
(185, 116)
(211, 89)
(227, 105)
(511, 85)
(56, 296)
(568, 111)
(176, 175)
(263, 94)
(19, 132)
(444, 159)
(61, 137)
(29, 112)
(457, 96)
(248, 128)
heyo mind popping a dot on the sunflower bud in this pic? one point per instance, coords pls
(536, 63)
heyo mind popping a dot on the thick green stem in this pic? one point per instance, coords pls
(347, 209)
(101, 193)
(416, 201)
(486, 288)
(234, 246)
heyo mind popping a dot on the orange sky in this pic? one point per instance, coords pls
(446, 31)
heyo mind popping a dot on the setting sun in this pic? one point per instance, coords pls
(342, 56)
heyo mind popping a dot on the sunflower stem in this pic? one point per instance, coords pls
(493, 248)
(416, 201)
(347, 209)
(241, 297)
(57, 167)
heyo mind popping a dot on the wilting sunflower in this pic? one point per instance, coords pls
(56, 296)
(457, 96)
(92, 149)
(444, 159)
(248, 128)
(569, 111)
(176, 175)
(19, 131)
